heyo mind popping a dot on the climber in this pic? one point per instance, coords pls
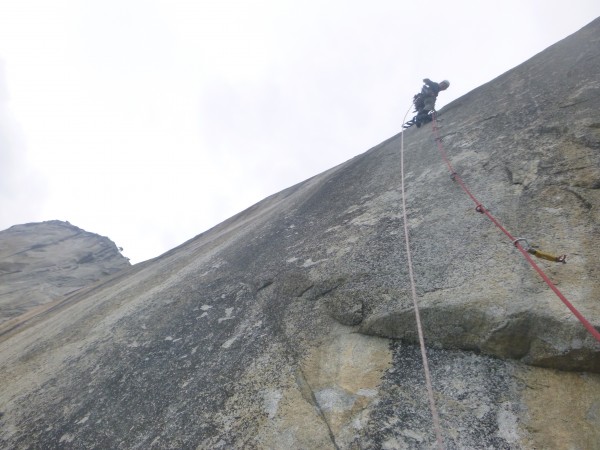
(425, 100)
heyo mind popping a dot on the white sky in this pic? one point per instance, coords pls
(150, 121)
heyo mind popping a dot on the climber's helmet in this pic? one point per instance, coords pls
(444, 85)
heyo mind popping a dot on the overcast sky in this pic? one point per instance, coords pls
(150, 121)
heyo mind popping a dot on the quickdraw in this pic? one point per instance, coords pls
(586, 323)
(531, 249)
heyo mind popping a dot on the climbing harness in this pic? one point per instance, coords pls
(432, 407)
(418, 119)
(525, 250)
(533, 250)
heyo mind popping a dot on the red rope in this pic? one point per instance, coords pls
(480, 208)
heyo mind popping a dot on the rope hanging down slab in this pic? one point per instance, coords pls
(480, 208)
(432, 407)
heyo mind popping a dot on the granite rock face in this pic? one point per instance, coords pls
(290, 325)
(42, 262)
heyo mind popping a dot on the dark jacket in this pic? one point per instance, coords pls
(430, 89)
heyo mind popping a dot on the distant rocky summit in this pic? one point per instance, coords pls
(43, 262)
(291, 325)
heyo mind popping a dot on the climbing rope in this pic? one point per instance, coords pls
(527, 250)
(432, 407)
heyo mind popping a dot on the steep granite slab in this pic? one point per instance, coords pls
(290, 325)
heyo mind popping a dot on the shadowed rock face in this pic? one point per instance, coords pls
(291, 325)
(42, 262)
